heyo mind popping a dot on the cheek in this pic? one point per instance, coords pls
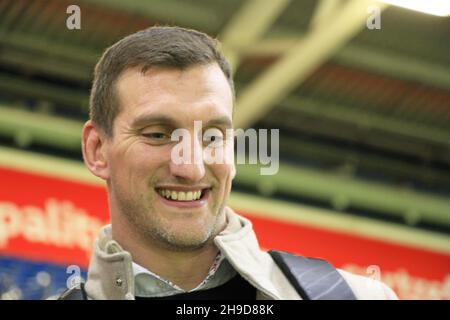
(139, 162)
(224, 174)
(149, 159)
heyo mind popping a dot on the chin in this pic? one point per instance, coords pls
(188, 241)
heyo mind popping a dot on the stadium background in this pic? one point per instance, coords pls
(363, 114)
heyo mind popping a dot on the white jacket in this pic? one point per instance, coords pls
(110, 274)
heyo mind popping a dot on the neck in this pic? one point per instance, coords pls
(186, 269)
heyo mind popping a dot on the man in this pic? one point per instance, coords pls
(171, 233)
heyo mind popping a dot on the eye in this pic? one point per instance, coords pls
(156, 137)
(213, 137)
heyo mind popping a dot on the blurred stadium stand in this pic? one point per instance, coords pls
(22, 279)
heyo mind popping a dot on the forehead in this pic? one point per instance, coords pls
(191, 94)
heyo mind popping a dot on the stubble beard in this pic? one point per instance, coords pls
(152, 229)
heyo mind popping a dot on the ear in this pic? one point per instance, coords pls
(94, 150)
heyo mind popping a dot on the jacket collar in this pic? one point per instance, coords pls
(111, 275)
(239, 244)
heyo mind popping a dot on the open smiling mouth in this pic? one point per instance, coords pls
(183, 196)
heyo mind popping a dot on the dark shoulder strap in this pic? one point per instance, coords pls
(314, 279)
(75, 293)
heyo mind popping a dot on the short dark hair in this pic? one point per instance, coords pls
(172, 47)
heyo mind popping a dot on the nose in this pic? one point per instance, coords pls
(192, 170)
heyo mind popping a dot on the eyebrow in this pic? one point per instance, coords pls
(162, 119)
(221, 121)
(149, 119)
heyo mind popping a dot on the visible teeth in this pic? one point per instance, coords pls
(181, 195)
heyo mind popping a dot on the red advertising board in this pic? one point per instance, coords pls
(54, 219)
(48, 218)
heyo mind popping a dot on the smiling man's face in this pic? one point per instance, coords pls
(142, 178)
